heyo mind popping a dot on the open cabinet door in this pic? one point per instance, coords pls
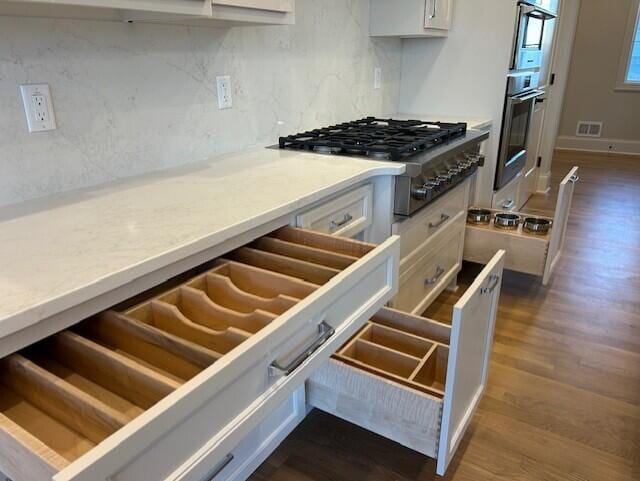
(474, 317)
(560, 220)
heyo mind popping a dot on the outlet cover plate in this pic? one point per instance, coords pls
(377, 78)
(38, 107)
(225, 99)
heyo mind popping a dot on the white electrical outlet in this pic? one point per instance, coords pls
(38, 107)
(225, 99)
(377, 78)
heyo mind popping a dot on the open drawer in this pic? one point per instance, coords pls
(165, 389)
(529, 253)
(414, 380)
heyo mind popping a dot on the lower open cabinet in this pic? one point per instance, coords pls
(412, 379)
(531, 253)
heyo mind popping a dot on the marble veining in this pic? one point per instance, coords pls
(60, 251)
(134, 98)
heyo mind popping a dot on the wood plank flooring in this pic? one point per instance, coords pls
(563, 401)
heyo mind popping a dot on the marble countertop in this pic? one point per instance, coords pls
(61, 251)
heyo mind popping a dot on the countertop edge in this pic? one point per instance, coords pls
(41, 312)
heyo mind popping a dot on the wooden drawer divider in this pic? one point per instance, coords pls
(223, 292)
(67, 393)
(406, 349)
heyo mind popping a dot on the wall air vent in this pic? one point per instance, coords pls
(589, 129)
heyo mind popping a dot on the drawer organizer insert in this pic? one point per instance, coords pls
(67, 393)
(410, 350)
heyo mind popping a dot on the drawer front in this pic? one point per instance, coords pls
(525, 253)
(244, 458)
(428, 276)
(168, 388)
(345, 216)
(283, 6)
(506, 199)
(416, 230)
(414, 380)
(537, 255)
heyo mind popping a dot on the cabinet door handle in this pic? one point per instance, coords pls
(495, 280)
(219, 467)
(347, 218)
(432, 280)
(433, 10)
(508, 204)
(443, 218)
(325, 331)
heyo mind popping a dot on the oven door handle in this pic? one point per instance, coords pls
(526, 98)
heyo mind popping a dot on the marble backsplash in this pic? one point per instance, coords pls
(132, 98)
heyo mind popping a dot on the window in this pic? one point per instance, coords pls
(629, 77)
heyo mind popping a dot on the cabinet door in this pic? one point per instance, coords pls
(438, 14)
(271, 5)
(474, 317)
(560, 220)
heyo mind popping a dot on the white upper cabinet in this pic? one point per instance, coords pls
(410, 18)
(184, 12)
(438, 14)
(285, 6)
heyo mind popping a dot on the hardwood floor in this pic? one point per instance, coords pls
(563, 401)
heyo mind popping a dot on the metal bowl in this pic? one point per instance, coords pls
(507, 221)
(478, 216)
(535, 225)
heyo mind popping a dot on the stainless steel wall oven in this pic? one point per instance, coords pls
(529, 36)
(522, 92)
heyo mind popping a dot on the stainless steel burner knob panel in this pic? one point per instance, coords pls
(426, 192)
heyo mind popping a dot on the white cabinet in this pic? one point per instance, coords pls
(349, 215)
(506, 199)
(203, 13)
(284, 6)
(438, 14)
(530, 178)
(410, 18)
(253, 12)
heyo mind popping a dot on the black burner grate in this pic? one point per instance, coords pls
(383, 138)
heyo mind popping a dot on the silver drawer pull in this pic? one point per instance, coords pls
(346, 219)
(508, 204)
(443, 218)
(325, 331)
(574, 179)
(219, 467)
(495, 280)
(434, 11)
(432, 280)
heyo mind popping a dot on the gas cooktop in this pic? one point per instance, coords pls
(387, 139)
(437, 155)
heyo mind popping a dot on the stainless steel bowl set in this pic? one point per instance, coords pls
(507, 221)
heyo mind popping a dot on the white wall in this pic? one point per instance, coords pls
(135, 98)
(591, 87)
(464, 74)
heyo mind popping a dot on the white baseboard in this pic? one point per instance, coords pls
(618, 146)
(544, 183)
